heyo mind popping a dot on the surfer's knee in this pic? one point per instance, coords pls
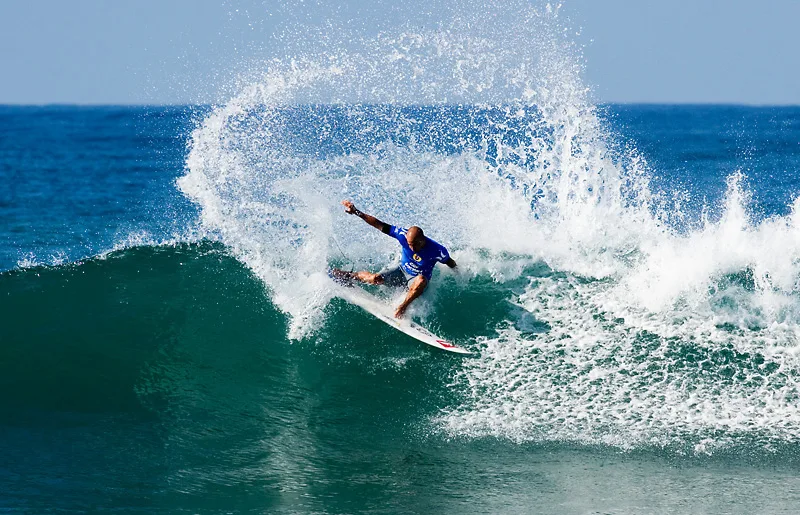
(419, 283)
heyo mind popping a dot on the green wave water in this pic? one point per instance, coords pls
(160, 379)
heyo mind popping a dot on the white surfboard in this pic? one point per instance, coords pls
(383, 312)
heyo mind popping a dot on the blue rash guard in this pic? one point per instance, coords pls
(422, 263)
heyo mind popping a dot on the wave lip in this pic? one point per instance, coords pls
(502, 150)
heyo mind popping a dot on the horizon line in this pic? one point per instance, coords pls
(210, 104)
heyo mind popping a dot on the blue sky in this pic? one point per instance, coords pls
(178, 51)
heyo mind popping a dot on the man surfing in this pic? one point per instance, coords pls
(419, 255)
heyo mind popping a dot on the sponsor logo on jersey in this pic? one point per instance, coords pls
(416, 258)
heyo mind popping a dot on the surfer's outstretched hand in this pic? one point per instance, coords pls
(400, 311)
(349, 208)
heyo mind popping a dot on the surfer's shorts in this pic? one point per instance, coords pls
(395, 277)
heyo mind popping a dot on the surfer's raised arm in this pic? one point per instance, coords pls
(349, 208)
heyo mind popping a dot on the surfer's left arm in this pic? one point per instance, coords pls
(450, 262)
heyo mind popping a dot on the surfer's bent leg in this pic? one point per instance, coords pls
(346, 278)
(368, 277)
(415, 289)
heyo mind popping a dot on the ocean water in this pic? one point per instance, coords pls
(629, 285)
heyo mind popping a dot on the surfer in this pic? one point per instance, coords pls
(419, 255)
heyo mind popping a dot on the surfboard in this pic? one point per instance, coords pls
(383, 312)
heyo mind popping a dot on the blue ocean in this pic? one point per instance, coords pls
(628, 284)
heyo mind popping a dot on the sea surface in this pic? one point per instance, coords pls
(628, 283)
(145, 367)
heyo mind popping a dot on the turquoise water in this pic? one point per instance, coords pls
(197, 402)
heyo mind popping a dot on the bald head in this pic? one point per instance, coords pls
(415, 238)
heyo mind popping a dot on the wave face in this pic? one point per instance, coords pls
(163, 376)
(669, 321)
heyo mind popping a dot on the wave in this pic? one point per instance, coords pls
(660, 327)
(134, 329)
(602, 310)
